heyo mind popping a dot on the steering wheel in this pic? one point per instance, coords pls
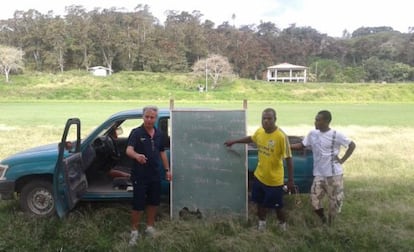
(106, 145)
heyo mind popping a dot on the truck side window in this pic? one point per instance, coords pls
(128, 125)
(163, 126)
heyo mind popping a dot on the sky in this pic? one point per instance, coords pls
(330, 17)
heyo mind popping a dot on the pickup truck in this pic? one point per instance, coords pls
(51, 179)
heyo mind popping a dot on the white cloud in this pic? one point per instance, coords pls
(326, 16)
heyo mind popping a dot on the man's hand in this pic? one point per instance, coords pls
(141, 158)
(291, 186)
(168, 175)
(228, 143)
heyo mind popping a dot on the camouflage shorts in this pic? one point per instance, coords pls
(333, 187)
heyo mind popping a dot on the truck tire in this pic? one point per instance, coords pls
(36, 198)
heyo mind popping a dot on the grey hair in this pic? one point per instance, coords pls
(150, 107)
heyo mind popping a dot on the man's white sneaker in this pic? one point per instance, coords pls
(261, 226)
(150, 231)
(133, 238)
(339, 208)
(282, 226)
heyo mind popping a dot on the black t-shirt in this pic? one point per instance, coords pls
(151, 148)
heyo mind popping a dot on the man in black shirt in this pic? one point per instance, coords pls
(145, 146)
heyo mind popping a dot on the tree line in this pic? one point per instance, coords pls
(136, 41)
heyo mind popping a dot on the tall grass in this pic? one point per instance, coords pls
(378, 214)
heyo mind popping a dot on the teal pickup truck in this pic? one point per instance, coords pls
(51, 179)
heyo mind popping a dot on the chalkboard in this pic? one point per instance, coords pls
(209, 179)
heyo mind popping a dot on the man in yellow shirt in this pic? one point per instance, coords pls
(273, 147)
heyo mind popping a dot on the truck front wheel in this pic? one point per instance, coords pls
(36, 198)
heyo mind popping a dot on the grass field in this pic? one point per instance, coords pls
(378, 214)
(30, 119)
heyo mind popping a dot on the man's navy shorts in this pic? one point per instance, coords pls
(145, 192)
(267, 196)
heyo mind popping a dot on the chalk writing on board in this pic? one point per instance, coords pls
(208, 177)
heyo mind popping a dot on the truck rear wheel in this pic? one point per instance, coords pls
(36, 198)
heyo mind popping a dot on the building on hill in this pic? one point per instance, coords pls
(286, 72)
(100, 71)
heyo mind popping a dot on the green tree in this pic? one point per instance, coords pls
(407, 53)
(31, 29)
(296, 44)
(80, 43)
(400, 72)
(325, 70)
(377, 70)
(250, 56)
(56, 43)
(108, 34)
(365, 31)
(186, 32)
(351, 74)
(138, 27)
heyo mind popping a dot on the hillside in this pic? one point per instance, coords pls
(160, 86)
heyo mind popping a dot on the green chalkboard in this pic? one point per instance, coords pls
(208, 177)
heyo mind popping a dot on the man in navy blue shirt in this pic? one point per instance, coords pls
(145, 146)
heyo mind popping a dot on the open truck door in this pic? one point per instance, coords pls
(69, 180)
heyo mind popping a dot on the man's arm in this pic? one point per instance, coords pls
(245, 140)
(140, 158)
(291, 183)
(348, 152)
(297, 146)
(166, 165)
(164, 160)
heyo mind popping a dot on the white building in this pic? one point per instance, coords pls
(286, 72)
(100, 71)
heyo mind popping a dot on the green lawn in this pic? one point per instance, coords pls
(289, 114)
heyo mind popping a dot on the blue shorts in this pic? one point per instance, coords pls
(267, 196)
(145, 192)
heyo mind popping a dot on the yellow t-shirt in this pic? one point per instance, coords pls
(272, 148)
